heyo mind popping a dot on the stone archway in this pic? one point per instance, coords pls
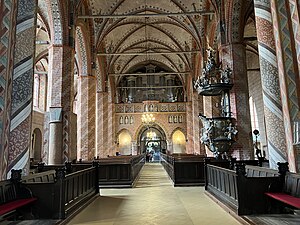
(152, 140)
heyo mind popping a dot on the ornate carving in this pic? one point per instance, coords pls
(218, 133)
(240, 169)
(16, 175)
(60, 173)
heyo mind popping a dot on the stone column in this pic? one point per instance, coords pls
(270, 84)
(197, 124)
(22, 85)
(111, 129)
(189, 128)
(55, 136)
(61, 78)
(193, 125)
(7, 45)
(286, 32)
(86, 118)
(234, 55)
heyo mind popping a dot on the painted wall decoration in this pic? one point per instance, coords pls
(20, 129)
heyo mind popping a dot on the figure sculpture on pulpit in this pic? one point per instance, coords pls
(225, 75)
(231, 131)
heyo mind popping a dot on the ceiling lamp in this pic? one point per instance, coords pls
(148, 118)
(151, 135)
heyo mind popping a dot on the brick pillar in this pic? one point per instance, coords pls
(102, 124)
(7, 44)
(270, 84)
(62, 121)
(111, 129)
(193, 128)
(22, 84)
(189, 124)
(234, 55)
(86, 119)
(286, 31)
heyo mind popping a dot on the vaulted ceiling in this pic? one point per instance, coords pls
(129, 33)
(122, 36)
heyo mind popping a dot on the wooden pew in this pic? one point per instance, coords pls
(119, 171)
(61, 197)
(47, 176)
(15, 198)
(255, 171)
(241, 194)
(286, 192)
(70, 167)
(188, 169)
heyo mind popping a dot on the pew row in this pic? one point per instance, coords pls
(285, 193)
(16, 199)
(67, 193)
(120, 171)
(113, 171)
(183, 169)
(70, 167)
(242, 194)
(188, 169)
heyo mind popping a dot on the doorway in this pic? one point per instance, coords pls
(153, 143)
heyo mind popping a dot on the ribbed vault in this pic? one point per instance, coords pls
(175, 36)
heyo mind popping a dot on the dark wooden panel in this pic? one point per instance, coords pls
(243, 194)
(120, 171)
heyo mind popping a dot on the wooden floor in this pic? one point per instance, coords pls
(279, 219)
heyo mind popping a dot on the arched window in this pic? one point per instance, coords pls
(179, 142)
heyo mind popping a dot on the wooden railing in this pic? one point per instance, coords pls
(47, 176)
(292, 184)
(255, 171)
(188, 169)
(66, 193)
(78, 186)
(157, 107)
(69, 166)
(244, 195)
(224, 181)
(120, 171)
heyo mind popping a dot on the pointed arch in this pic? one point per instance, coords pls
(83, 50)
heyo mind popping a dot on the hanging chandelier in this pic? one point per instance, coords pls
(151, 135)
(148, 118)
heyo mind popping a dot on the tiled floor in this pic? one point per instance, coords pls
(154, 201)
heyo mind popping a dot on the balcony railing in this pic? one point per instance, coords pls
(154, 107)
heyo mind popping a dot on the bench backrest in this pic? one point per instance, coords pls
(47, 176)
(292, 184)
(256, 171)
(7, 191)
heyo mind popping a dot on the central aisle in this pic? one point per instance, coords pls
(154, 201)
